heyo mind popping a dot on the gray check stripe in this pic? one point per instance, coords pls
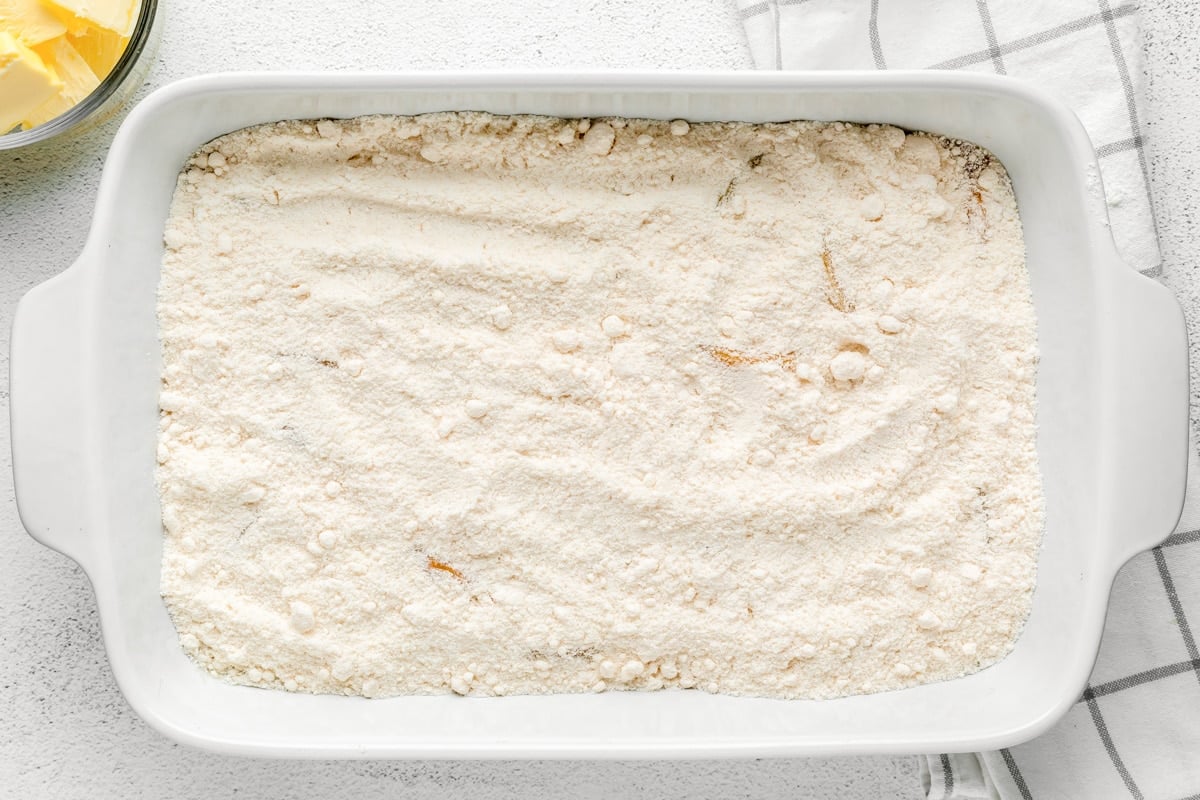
(1135, 125)
(1183, 537)
(947, 777)
(1112, 148)
(876, 46)
(985, 16)
(753, 11)
(761, 8)
(1049, 35)
(1113, 755)
(1185, 630)
(1015, 772)
(1139, 679)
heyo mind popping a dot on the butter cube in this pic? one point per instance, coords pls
(25, 82)
(101, 49)
(72, 71)
(117, 16)
(29, 21)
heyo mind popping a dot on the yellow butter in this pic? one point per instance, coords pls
(73, 72)
(117, 16)
(30, 21)
(101, 49)
(25, 82)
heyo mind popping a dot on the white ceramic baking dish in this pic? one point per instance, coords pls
(1112, 416)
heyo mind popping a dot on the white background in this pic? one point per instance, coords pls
(65, 730)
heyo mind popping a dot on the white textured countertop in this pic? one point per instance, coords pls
(65, 730)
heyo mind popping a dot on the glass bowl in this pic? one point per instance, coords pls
(114, 89)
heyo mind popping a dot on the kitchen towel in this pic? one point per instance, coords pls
(1135, 732)
(1088, 52)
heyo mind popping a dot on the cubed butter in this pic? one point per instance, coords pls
(25, 82)
(117, 16)
(72, 71)
(30, 21)
(101, 49)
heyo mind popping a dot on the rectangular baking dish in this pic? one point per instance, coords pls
(1113, 412)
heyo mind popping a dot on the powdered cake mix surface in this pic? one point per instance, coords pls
(501, 405)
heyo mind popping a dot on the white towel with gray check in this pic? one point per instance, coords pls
(1136, 730)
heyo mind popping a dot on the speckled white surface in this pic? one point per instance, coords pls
(65, 730)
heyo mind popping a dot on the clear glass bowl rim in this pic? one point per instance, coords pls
(100, 96)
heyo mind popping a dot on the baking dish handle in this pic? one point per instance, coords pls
(1148, 410)
(46, 408)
